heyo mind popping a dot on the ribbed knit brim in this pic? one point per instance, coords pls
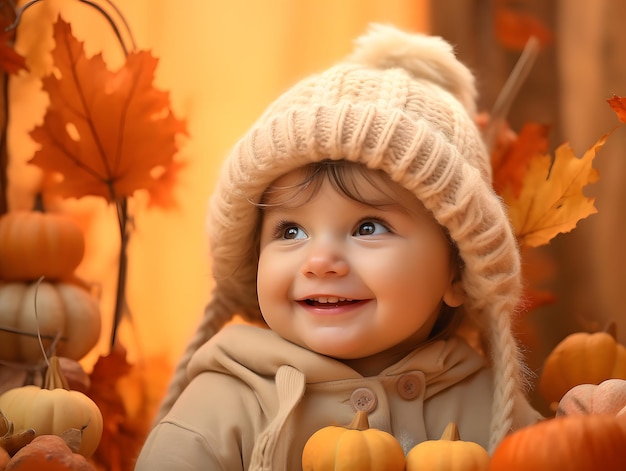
(403, 104)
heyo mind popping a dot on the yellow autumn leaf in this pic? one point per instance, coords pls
(551, 200)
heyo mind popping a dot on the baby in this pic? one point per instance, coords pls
(356, 227)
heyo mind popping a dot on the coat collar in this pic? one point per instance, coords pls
(243, 349)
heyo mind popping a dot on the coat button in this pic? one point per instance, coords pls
(409, 387)
(363, 399)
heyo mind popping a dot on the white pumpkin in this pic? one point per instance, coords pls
(63, 308)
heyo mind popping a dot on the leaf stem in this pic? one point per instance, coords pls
(4, 153)
(120, 297)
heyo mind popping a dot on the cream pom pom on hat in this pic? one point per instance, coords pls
(401, 103)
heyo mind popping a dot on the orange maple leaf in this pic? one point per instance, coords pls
(551, 200)
(514, 28)
(509, 168)
(104, 132)
(618, 104)
(161, 195)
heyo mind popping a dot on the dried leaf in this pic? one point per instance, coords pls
(514, 28)
(618, 104)
(105, 132)
(551, 200)
(15, 441)
(538, 270)
(510, 167)
(73, 438)
(128, 396)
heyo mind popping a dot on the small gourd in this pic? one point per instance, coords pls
(53, 409)
(48, 453)
(35, 244)
(575, 443)
(449, 453)
(64, 309)
(355, 447)
(608, 397)
(582, 358)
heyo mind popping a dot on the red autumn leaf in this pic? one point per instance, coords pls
(539, 270)
(128, 396)
(514, 28)
(104, 132)
(510, 167)
(618, 104)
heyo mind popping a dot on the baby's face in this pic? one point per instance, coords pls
(351, 280)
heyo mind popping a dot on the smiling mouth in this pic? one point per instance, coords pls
(329, 302)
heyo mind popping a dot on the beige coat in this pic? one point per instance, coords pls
(255, 399)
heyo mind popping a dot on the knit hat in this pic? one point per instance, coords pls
(404, 104)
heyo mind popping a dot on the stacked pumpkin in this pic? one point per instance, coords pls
(38, 255)
(45, 312)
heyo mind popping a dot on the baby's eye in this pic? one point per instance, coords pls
(292, 232)
(370, 228)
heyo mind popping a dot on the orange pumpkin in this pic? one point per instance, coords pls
(575, 443)
(581, 358)
(62, 308)
(35, 244)
(449, 453)
(353, 447)
(48, 453)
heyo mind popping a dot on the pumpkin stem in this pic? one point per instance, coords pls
(360, 421)
(451, 432)
(54, 376)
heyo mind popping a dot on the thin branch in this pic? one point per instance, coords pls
(4, 152)
(120, 298)
(4, 124)
(111, 22)
(509, 91)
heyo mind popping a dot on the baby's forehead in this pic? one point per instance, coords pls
(348, 173)
(354, 181)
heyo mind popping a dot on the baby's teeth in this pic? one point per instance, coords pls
(331, 299)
